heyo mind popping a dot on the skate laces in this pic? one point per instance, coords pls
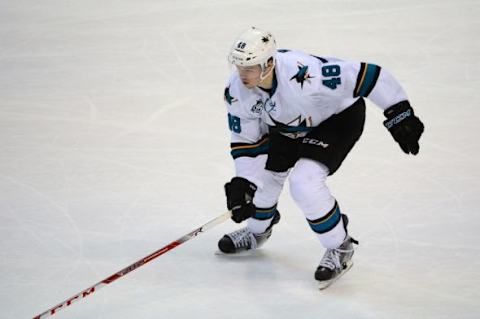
(243, 238)
(332, 257)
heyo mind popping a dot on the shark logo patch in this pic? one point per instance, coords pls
(302, 75)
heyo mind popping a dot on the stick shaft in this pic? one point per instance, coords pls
(132, 267)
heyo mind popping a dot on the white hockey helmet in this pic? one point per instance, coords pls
(252, 47)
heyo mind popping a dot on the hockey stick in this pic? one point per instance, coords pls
(132, 267)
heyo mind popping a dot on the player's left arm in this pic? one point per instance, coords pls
(378, 85)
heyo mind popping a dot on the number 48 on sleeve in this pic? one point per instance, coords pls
(234, 123)
(332, 72)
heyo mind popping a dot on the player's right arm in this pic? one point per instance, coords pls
(249, 139)
(249, 146)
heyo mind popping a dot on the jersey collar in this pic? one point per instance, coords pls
(272, 90)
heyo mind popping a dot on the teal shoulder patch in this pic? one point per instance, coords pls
(228, 97)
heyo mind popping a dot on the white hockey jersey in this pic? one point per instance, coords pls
(306, 91)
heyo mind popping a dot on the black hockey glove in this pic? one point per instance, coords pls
(404, 126)
(240, 193)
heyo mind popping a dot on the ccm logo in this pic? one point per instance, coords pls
(313, 141)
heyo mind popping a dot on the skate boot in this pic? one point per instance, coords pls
(243, 239)
(335, 263)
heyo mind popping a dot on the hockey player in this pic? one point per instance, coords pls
(297, 115)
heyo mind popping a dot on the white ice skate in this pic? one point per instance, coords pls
(243, 239)
(335, 263)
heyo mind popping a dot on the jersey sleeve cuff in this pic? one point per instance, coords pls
(250, 149)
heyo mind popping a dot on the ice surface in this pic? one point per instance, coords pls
(114, 142)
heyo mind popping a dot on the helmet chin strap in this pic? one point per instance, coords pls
(264, 66)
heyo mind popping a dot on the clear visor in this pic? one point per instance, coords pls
(247, 69)
(246, 72)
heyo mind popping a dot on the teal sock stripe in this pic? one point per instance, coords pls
(265, 213)
(327, 222)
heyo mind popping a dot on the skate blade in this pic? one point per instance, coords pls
(327, 283)
(250, 252)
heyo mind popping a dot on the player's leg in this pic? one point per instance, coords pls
(310, 192)
(282, 155)
(321, 153)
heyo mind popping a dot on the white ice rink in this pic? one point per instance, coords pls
(114, 142)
